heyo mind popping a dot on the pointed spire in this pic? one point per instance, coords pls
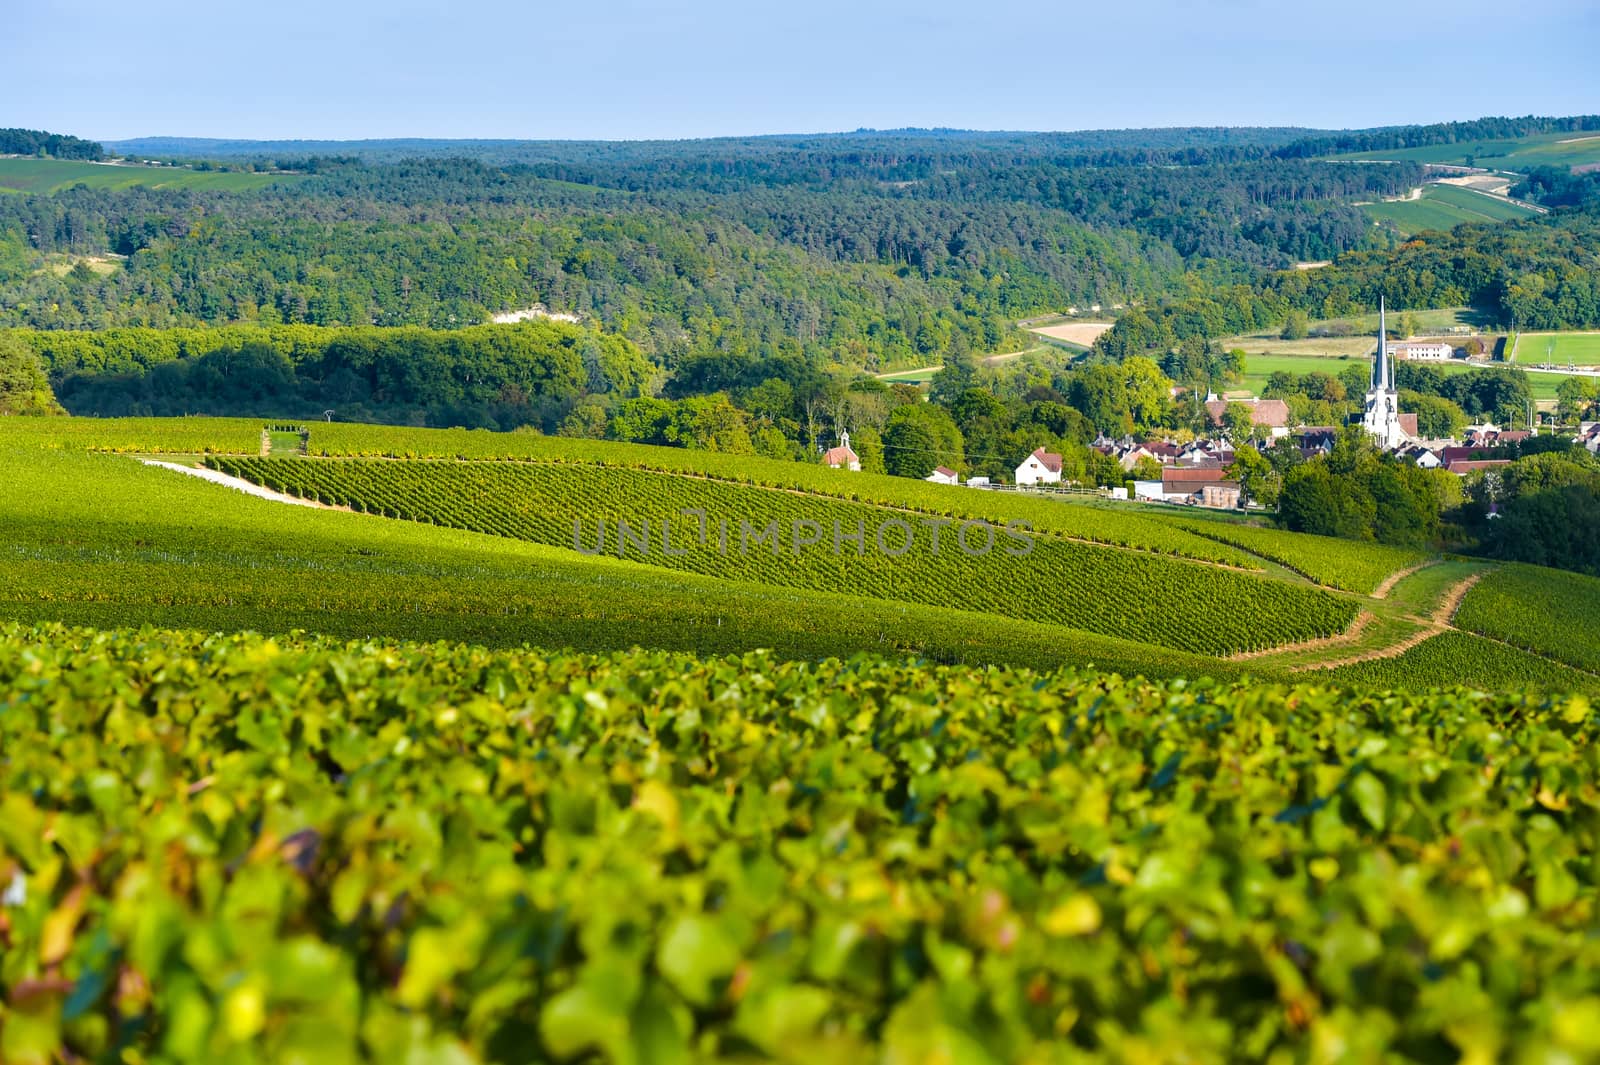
(1380, 369)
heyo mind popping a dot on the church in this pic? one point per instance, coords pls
(1382, 418)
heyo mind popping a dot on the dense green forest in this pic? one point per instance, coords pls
(530, 373)
(869, 250)
(55, 145)
(1478, 129)
(864, 251)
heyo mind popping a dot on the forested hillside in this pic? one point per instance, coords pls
(1542, 274)
(872, 250)
(763, 268)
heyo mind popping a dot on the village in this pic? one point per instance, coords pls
(1201, 471)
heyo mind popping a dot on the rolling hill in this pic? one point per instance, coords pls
(405, 775)
(1444, 207)
(494, 548)
(52, 175)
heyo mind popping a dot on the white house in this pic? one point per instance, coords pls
(1426, 458)
(1041, 467)
(943, 475)
(1430, 351)
(1149, 491)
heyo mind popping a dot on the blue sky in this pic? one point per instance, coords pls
(689, 68)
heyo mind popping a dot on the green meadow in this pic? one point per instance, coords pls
(1258, 367)
(1582, 349)
(53, 175)
(1444, 207)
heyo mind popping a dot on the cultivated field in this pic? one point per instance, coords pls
(52, 175)
(1545, 149)
(1560, 349)
(1444, 207)
(1099, 589)
(1078, 334)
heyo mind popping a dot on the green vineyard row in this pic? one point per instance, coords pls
(1548, 611)
(102, 540)
(781, 538)
(1355, 567)
(1100, 524)
(1453, 658)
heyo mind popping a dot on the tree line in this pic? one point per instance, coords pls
(530, 373)
(1478, 129)
(55, 145)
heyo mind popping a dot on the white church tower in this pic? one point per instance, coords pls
(1382, 417)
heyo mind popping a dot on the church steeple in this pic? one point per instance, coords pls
(1382, 417)
(1382, 373)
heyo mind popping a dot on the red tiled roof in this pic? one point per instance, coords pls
(1468, 465)
(1272, 413)
(839, 456)
(1049, 461)
(944, 471)
(1408, 424)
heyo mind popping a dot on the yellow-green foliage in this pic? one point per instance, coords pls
(224, 848)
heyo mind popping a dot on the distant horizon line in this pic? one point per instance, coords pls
(860, 130)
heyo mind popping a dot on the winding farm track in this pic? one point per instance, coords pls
(1357, 627)
(1387, 585)
(1393, 650)
(239, 484)
(1445, 612)
(1439, 621)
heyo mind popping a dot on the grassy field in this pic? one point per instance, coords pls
(923, 374)
(1582, 349)
(1544, 149)
(1445, 207)
(1361, 330)
(910, 377)
(52, 175)
(1258, 367)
